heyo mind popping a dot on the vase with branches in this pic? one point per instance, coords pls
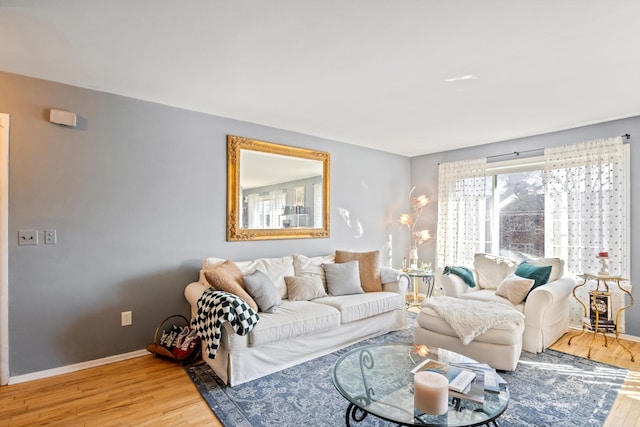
(418, 236)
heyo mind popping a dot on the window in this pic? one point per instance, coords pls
(264, 209)
(516, 216)
(570, 203)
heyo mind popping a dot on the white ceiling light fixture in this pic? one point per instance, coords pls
(467, 77)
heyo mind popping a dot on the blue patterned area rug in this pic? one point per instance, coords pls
(547, 389)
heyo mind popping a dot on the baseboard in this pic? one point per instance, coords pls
(610, 334)
(76, 367)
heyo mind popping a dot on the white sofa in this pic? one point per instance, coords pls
(300, 330)
(546, 308)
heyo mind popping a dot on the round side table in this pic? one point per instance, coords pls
(428, 278)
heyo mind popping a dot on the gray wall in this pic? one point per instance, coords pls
(137, 194)
(424, 175)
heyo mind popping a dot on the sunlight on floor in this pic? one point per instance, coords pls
(599, 375)
(631, 387)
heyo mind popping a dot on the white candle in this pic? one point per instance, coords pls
(431, 393)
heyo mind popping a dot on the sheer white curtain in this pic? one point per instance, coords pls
(264, 209)
(464, 195)
(585, 205)
(586, 208)
(253, 213)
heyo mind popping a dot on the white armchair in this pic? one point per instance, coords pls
(546, 308)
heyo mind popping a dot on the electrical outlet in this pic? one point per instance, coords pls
(126, 318)
(28, 237)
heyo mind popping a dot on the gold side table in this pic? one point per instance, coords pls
(602, 289)
(415, 275)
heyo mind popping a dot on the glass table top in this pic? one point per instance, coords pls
(378, 380)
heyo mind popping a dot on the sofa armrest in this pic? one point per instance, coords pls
(454, 286)
(192, 292)
(399, 286)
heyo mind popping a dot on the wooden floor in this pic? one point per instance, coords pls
(144, 391)
(149, 391)
(626, 408)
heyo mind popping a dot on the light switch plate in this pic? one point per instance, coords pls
(27, 237)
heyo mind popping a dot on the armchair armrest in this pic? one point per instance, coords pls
(546, 313)
(454, 286)
(548, 296)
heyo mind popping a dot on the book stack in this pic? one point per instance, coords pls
(604, 325)
(467, 381)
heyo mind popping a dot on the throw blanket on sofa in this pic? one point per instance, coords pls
(463, 272)
(214, 309)
(469, 318)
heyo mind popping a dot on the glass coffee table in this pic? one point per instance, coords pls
(377, 380)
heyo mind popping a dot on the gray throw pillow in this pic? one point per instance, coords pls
(343, 278)
(304, 288)
(263, 291)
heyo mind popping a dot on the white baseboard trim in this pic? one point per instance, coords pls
(76, 367)
(609, 334)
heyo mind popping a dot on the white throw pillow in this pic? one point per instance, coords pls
(492, 270)
(514, 288)
(312, 266)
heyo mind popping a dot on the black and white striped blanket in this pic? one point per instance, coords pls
(214, 309)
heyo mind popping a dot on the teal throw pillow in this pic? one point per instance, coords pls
(539, 273)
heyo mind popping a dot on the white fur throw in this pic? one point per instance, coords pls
(469, 318)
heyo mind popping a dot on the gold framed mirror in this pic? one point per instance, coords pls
(276, 191)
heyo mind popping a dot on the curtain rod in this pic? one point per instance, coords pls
(517, 153)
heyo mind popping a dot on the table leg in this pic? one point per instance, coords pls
(620, 310)
(584, 310)
(354, 413)
(430, 282)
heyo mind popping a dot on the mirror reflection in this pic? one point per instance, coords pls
(276, 191)
(280, 191)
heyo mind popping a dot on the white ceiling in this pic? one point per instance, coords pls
(404, 76)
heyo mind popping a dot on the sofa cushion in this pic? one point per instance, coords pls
(294, 319)
(305, 266)
(228, 277)
(361, 306)
(514, 288)
(263, 291)
(492, 270)
(343, 279)
(368, 267)
(304, 288)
